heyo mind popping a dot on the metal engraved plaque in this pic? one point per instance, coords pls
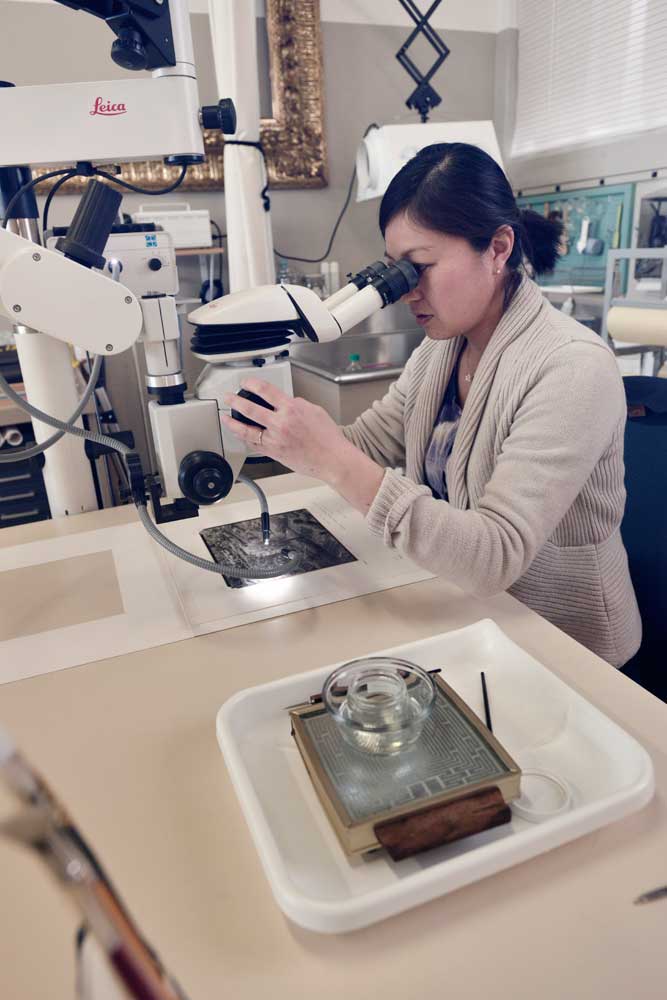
(296, 531)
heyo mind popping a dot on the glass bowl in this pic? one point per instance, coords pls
(380, 703)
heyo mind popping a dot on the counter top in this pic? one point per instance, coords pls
(129, 745)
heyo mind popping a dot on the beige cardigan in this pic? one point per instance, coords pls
(535, 480)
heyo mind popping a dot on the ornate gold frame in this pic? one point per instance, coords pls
(293, 140)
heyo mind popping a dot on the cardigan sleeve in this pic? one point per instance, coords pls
(573, 412)
(380, 431)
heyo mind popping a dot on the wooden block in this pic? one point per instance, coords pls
(443, 824)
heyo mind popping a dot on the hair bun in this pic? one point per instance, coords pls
(541, 238)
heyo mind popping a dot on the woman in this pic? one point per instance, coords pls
(508, 418)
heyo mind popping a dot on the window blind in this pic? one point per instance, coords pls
(589, 70)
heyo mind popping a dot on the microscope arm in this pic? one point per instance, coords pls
(45, 291)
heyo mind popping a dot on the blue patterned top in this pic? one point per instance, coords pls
(441, 444)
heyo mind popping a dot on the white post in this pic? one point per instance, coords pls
(249, 239)
(48, 377)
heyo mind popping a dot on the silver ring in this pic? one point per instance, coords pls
(259, 439)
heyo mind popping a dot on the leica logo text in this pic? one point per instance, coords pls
(102, 107)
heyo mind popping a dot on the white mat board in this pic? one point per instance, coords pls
(166, 599)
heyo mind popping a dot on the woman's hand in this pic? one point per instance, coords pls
(304, 438)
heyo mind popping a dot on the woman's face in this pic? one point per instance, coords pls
(458, 292)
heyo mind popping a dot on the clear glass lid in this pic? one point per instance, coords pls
(380, 703)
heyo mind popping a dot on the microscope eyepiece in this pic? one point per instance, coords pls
(368, 274)
(396, 280)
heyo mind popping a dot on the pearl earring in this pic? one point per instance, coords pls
(497, 271)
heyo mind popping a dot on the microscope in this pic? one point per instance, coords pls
(103, 291)
(58, 290)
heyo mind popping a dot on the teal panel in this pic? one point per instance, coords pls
(607, 213)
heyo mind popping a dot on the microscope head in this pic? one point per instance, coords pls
(260, 321)
(266, 320)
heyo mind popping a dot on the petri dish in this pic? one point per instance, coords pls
(543, 796)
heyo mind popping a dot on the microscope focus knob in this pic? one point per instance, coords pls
(220, 116)
(205, 477)
(155, 264)
(129, 50)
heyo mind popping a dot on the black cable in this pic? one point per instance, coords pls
(316, 260)
(218, 286)
(264, 193)
(50, 196)
(220, 235)
(26, 187)
(138, 190)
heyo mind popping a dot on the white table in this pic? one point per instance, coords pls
(129, 744)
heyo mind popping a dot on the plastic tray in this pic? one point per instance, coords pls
(542, 722)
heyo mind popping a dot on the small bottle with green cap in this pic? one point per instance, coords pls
(354, 364)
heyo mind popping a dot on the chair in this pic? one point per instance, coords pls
(638, 321)
(644, 527)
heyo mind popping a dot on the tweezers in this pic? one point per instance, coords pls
(652, 894)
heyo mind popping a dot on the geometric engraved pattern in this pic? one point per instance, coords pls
(449, 754)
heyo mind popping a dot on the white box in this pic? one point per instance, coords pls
(189, 228)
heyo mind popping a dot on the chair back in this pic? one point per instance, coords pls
(644, 527)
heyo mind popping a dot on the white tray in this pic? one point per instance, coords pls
(543, 724)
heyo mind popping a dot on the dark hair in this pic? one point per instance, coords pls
(458, 189)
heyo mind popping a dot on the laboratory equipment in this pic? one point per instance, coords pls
(543, 796)
(126, 119)
(188, 227)
(199, 459)
(424, 97)
(385, 149)
(236, 333)
(56, 290)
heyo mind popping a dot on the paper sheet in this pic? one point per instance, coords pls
(150, 618)
(166, 599)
